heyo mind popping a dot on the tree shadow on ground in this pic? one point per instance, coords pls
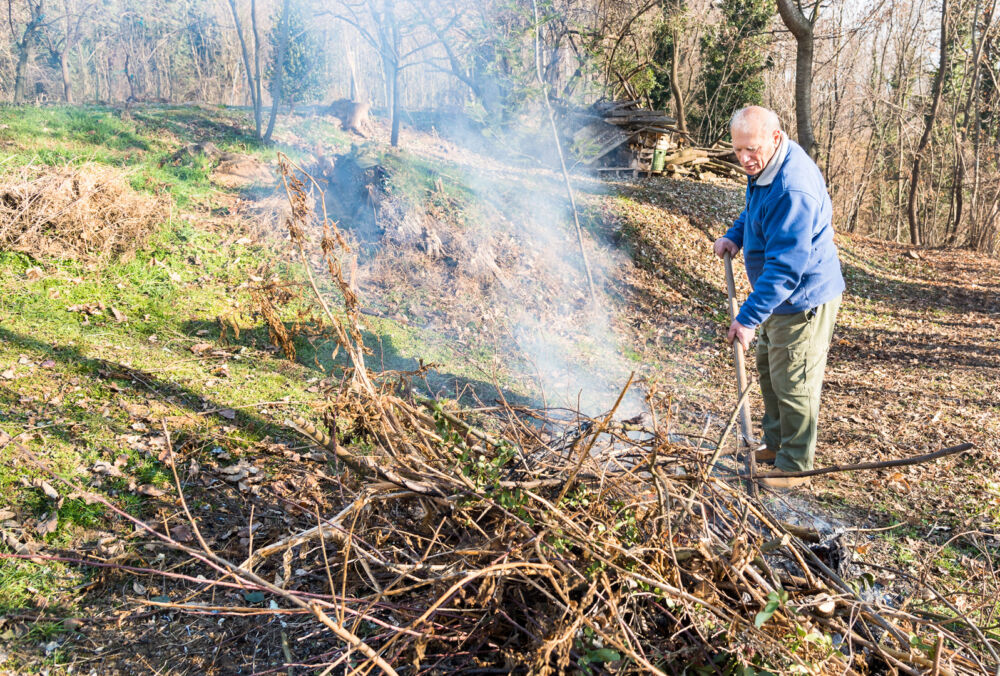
(385, 358)
(194, 124)
(917, 294)
(121, 378)
(904, 348)
(292, 490)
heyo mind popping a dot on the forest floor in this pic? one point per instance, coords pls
(108, 365)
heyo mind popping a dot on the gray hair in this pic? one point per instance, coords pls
(752, 117)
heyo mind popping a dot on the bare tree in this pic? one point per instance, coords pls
(252, 84)
(801, 21)
(916, 235)
(23, 45)
(395, 29)
(279, 68)
(59, 48)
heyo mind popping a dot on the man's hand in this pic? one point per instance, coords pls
(722, 245)
(741, 333)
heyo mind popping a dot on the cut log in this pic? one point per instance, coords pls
(683, 156)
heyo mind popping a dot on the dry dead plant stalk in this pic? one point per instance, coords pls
(263, 300)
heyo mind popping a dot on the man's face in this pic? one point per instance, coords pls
(755, 148)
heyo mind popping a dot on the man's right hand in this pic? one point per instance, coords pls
(722, 245)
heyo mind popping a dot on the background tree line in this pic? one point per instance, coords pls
(895, 99)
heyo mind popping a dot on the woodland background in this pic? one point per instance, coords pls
(895, 99)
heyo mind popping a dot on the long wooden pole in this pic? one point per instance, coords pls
(898, 462)
(562, 158)
(738, 356)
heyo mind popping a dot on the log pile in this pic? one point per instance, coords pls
(620, 137)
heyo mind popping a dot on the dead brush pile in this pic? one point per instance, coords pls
(85, 212)
(538, 546)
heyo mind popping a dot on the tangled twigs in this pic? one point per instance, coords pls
(216, 562)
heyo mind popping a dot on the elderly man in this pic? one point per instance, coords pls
(786, 235)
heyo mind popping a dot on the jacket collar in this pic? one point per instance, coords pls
(771, 170)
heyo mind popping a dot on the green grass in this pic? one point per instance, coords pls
(71, 381)
(423, 181)
(143, 141)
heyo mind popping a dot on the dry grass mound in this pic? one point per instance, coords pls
(85, 212)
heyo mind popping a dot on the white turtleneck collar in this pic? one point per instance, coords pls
(771, 170)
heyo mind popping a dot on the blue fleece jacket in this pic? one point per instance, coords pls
(786, 233)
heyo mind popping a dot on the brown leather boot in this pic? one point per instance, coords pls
(765, 456)
(785, 481)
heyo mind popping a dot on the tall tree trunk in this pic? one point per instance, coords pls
(675, 86)
(354, 74)
(802, 28)
(23, 54)
(258, 96)
(916, 238)
(64, 69)
(24, 49)
(394, 136)
(108, 70)
(131, 79)
(392, 57)
(84, 76)
(279, 68)
(970, 113)
(249, 70)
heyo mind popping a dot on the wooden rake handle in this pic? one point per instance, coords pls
(739, 357)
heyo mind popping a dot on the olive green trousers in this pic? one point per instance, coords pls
(791, 358)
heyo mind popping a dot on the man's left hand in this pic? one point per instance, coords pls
(741, 333)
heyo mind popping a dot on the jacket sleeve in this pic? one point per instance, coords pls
(787, 231)
(735, 233)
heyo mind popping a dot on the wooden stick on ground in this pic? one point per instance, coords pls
(900, 462)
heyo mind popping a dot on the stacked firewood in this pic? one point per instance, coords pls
(620, 136)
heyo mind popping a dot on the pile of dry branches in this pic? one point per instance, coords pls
(548, 546)
(85, 212)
